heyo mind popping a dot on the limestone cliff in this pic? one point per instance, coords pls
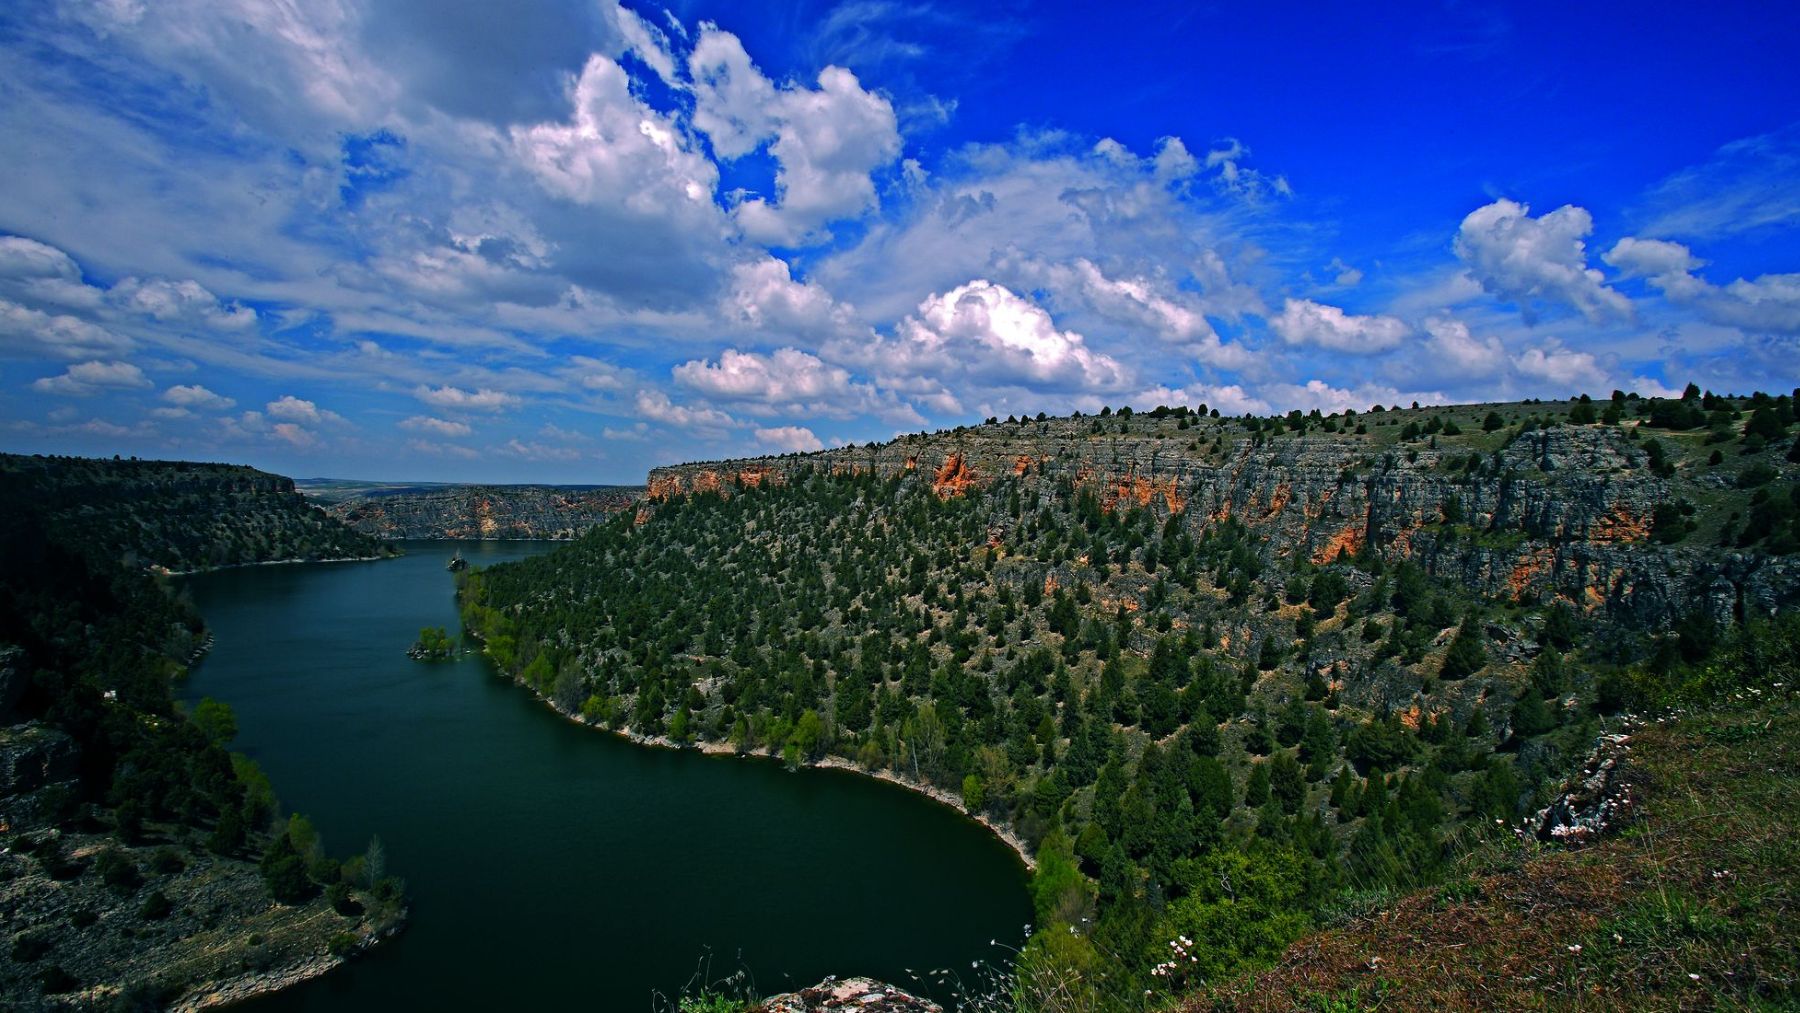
(1564, 511)
(482, 511)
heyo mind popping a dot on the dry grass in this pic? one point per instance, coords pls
(1693, 906)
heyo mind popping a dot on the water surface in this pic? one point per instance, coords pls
(550, 864)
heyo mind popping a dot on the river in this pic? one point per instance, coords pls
(554, 865)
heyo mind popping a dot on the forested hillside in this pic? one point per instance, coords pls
(138, 857)
(1225, 675)
(179, 515)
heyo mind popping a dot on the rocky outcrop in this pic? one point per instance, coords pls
(483, 511)
(864, 995)
(91, 923)
(1562, 512)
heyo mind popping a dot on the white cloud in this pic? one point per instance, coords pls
(1343, 275)
(1771, 302)
(292, 409)
(1229, 399)
(457, 399)
(986, 334)
(295, 435)
(826, 141)
(617, 152)
(436, 448)
(1529, 260)
(181, 302)
(1326, 398)
(656, 406)
(1141, 302)
(435, 426)
(1235, 177)
(91, 377)
(1572, 371)
(196, 396)
(794, 439)
(1456, 351)
(1304, 322)
(40, 273)
(764, 295)
(532, 451)
(788, 379)
(1173, 161)
(23, 329)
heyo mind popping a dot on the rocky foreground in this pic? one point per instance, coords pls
(863, 994)
(92, 922)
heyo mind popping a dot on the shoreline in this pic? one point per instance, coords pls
(245, 987)
(163, 571)
(1004, 833)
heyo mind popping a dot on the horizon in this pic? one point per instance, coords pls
(566, 243)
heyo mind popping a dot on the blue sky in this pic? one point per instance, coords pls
(567, 242)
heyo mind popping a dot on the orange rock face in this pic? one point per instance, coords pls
(1279, 501)
(661, 490)
(1620, 526)
(1535, 564)
(1021, 464)
(954, 478)
(1141, 491)
(1347, 542)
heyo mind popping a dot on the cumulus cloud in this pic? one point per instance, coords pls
(615, 148)
(1304, 322)
(788, 379)
(1458, 352)
(1530, 261)
(23, 329)
(656, 406)
(92, 377)
(435, 426)
(195, 396)
(457, 399)
(764, 294)
(292, 409)
(41, 273)
(294, 435)
(826, 141)
(986, 334)
(1771, 302)
(1572, 371)
(181, 302)
(793, 439)
(1145, 302)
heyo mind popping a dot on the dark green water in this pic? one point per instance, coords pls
(552, 865)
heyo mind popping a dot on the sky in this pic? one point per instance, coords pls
(456, 240)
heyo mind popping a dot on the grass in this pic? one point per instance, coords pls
(1694, 905)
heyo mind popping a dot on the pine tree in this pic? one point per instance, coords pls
(1466, 654)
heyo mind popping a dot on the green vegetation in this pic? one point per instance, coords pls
(433, 645)
(90, 641)
(178, 515)
(1690, 906)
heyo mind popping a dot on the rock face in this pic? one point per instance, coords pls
(862, 994)
(1563, 512)
(483, 511)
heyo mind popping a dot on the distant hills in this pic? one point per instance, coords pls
(431, 510)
